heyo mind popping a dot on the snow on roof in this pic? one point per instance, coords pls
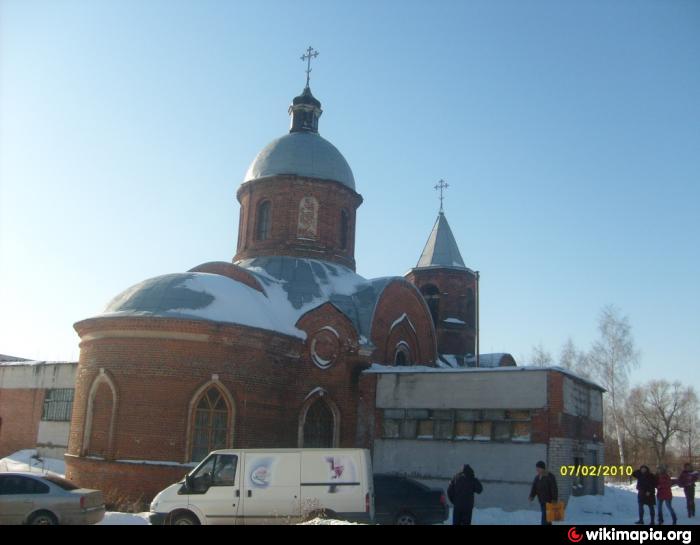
(5, 357)
(33, 362)
(379, 368)
(292, 287)
(205, 296)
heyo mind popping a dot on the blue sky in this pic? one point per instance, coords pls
(569, 133)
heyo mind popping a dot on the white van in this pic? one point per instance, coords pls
(271, 486)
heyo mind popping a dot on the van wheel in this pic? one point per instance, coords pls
(406, 519)
(43, 518)
(183, 518)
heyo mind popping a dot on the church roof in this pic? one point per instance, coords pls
(302, 154)
(441, 249)
(291, 288)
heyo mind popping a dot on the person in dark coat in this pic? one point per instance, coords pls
(686, 480)
(544, 487)
(646, 492)
(461, 492)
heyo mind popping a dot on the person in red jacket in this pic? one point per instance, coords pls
(686, 480)
(663, 494)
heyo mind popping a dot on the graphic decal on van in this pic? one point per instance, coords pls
(342, 470)
(260, 473)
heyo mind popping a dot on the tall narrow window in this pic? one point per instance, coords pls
(431, 294)
(343, 230)
(318, 426)
(211, 424)
(262, 227)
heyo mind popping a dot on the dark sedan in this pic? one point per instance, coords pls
(400, 500)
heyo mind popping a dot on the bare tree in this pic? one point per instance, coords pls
(661, 410)
(612, 357)
(689, 438)
(574, 359)
(540, 357)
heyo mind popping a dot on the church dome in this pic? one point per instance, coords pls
(302, 154)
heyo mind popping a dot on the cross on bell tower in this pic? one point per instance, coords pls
(311, 53)
(441, 185)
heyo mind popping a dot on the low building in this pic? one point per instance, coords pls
(36, 403)
(426, 423)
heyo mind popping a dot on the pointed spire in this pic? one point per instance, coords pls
(441, 250)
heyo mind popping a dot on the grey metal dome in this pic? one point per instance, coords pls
(302, 154)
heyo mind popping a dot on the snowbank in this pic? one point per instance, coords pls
(22, 461)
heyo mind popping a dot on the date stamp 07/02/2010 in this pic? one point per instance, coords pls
(595, 471)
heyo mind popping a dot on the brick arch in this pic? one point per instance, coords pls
(401, 313)
(403, 335)
(194, 401)
(319, 395)
(98, 436)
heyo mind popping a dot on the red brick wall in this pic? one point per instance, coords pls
(454, 286)
(401, 297)
(20, 411)
(123, 483)
(553, 422)
(268, 376)
(285, 194)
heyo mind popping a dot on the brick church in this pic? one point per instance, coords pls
(287, 346)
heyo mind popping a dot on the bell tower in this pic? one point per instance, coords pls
(450, 289)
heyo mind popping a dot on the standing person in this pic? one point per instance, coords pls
(545, 488)
(686, 480)
(646, 492)
(461, 492)
(664, 495)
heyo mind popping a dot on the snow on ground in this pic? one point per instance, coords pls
(125, 519)
(618, 506)
(22, 461)
(327, 522)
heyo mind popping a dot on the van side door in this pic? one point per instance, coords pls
(271, 487)
(214, 488)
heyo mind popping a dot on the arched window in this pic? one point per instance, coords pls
(431, 294)
(318, 425)
(262, 226)
(343, 230)
(402, 354)
(212, 422)
(98, 434)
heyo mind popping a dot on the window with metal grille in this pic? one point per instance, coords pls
(58, 405)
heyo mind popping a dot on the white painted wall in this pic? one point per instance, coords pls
(41, 375)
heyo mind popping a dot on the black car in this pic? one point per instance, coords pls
(400, 500)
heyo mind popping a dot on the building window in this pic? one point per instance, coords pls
(344, 230)
(58, 405)
(262, 227)
(431, 294)
(318, 426)
(402, 354)
(457, 425)
(211, 424)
